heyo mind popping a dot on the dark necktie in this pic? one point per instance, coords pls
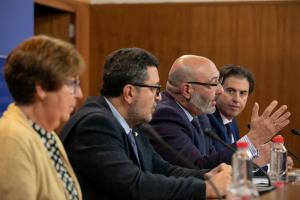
(133, 145)
(229, 133)
(201, 140)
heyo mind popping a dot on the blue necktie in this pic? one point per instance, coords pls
(133, 145)
(229, 133)
(200, 136)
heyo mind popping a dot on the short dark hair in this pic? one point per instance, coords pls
(40, 60)
(125, 66)
(237, 70)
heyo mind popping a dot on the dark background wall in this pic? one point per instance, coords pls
(262, 36)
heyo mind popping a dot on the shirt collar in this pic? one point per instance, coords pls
(118, 116)
(225, 119)
(187, 113)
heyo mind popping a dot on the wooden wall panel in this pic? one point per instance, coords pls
(262, 36)
(53, 17)
(52, 22)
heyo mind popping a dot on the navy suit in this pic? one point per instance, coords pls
(220, 129)
(170, 121)
(106, 165)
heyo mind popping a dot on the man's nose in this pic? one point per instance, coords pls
(220, 89)
(236, 96)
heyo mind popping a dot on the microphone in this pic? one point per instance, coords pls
(295, 131)
(210, 133)
(152, 134)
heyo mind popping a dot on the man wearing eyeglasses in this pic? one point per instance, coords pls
(113, 160)
(180, 118)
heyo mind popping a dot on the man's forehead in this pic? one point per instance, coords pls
(153, 73)
(236, 78)
(236, 82)
(209, 72)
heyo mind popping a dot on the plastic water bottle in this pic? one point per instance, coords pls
(278, 165)
(242, 187)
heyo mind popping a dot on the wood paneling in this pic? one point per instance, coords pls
(52, 22)
(262, 36)
(53, 17)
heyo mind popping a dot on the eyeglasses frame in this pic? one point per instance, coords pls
(219, 83)
(157, 87)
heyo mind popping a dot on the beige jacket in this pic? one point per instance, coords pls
(26, 171)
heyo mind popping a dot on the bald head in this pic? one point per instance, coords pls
(194, 83)
(189, 68)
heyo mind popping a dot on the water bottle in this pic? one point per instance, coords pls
(278, 164)
(242, 187)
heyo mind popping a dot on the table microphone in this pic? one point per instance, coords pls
(295, 131)
(210, 133)
(152, 134)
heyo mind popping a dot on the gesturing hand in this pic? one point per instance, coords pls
(265, 126)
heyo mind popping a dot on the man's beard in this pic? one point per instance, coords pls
(136, 115)
(205, 106)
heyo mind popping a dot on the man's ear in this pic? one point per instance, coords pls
(40, 92)
(186, 91)
(129, 93)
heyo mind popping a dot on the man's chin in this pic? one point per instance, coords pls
(148, 119)
(211, 110)
(144, 120)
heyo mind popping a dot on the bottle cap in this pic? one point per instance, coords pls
(242, 145)
(278, 139)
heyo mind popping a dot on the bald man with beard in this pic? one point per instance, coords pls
(180, 117)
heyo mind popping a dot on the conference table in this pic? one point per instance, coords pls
(289, 191)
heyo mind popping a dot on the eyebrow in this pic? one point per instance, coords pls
(215, 78)
(156, 83)
(231, 88)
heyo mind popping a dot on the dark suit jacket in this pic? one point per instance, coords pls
(106, 166)
(220, 129)
(170, 121)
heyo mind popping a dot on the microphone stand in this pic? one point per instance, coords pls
(214, 136)
(147, 129)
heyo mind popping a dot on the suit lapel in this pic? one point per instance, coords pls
(141, 150)
(101, 101)
(223, 131)
(196, 131)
